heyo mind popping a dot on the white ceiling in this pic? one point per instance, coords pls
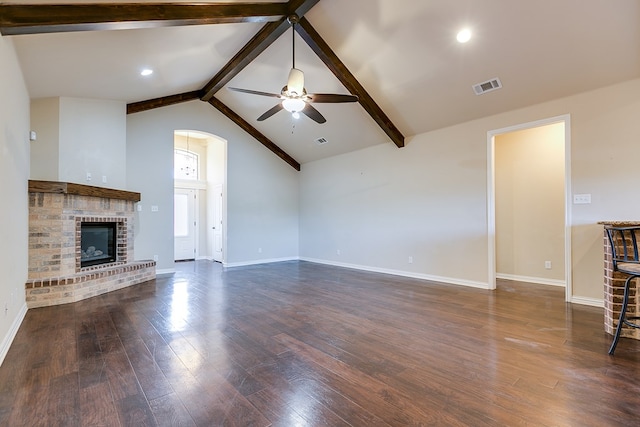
(403, 52)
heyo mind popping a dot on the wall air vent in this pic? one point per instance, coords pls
(321, 141)
(487, 86)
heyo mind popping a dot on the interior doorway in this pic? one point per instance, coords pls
(199, 208)
(535, 238)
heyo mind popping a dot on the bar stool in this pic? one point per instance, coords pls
(624, 254)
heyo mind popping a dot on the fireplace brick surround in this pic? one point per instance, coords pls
(56, 211)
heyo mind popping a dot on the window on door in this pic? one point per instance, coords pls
(181, 220)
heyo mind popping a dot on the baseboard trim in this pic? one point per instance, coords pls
(429, 277)
(529, 279)
(257, 262)
(8, 339)
(593, 302)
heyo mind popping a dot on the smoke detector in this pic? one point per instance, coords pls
(321, 141)
(488, 86)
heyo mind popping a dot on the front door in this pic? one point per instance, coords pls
(184, 224)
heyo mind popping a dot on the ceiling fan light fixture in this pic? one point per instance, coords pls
(295, 84)
(293, 105)
(295, 98)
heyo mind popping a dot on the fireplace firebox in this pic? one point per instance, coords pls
(98, 243)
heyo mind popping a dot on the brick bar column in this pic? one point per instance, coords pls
(614, 290)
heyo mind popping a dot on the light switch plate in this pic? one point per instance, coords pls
(581, 199)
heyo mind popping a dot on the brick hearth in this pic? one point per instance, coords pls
(56, 211)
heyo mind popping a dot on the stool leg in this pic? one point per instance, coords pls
(625, 302)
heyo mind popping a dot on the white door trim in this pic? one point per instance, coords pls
(491, 197)
(217, 222)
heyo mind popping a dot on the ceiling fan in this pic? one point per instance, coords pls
(294, 96)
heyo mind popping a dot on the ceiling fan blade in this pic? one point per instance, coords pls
(270, 112)
(255, 92)
(331, 98)
(313, 114)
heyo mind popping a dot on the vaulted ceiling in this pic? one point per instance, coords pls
(400, 57)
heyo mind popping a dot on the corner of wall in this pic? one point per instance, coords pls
(6, 342)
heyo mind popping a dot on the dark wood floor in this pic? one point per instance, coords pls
(297, 344)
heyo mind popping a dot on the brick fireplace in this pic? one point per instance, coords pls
(56, 213)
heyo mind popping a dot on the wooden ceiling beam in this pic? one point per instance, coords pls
(150, 104)
(337, 67)
(37, 19)
(51, 18)
(258, 44)
(247, 127)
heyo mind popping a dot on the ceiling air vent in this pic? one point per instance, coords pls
(321, 141)
(487, 86)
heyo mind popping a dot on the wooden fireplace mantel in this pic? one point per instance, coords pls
(81, 190)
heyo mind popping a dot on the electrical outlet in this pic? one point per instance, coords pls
(155, 257)
(88, 176)
(104, 179)
(410, 260)
(547, 265)
(139, 207)
(259, 250)
(338, 252)
(154, 208)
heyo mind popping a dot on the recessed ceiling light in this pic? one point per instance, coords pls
(464, 35)
(146, 72)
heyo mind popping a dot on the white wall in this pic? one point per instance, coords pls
(45, 121)
(428, 200)
(382, 205)
(261, 191)
(93, 139)
(14, 174)
(80, 136)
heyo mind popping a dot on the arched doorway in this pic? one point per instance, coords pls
(199, 194)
